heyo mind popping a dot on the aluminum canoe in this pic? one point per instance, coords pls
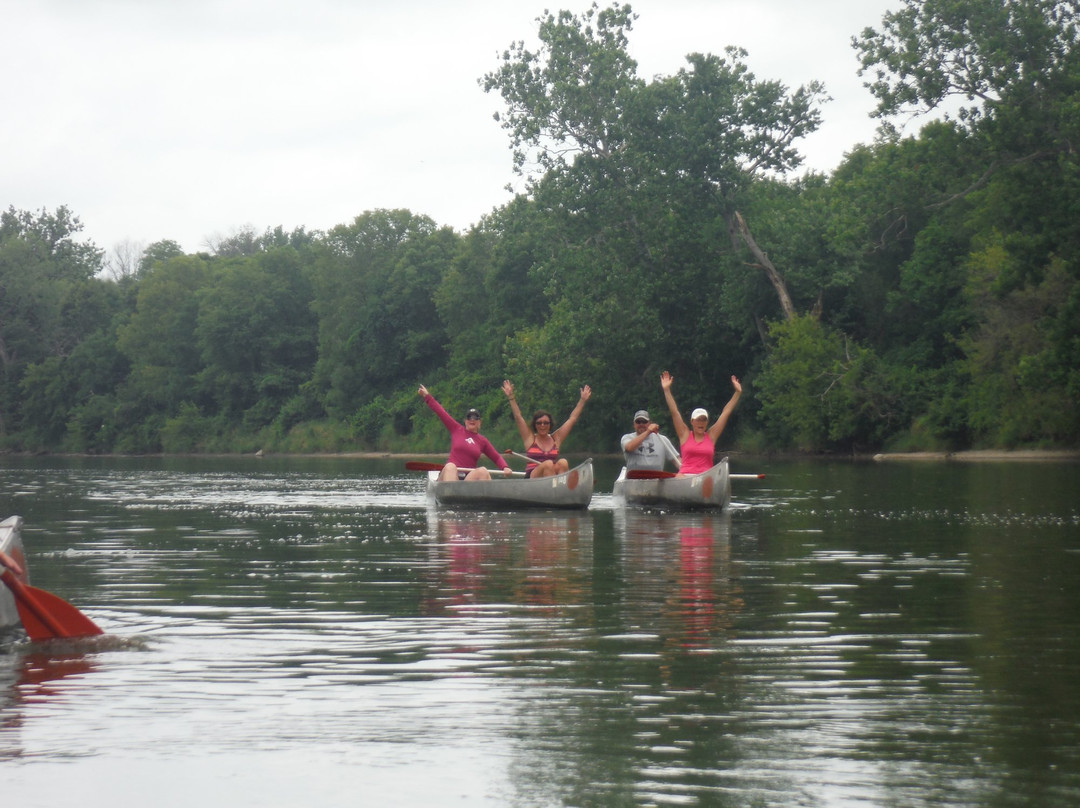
(574, 489)
(11, 544)
(710, 490)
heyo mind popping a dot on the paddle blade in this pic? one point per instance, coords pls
(416, 465)
(44, 615)
(648, 474)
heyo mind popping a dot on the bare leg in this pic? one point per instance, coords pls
(478, 474)
(449, 473)
(545, 469)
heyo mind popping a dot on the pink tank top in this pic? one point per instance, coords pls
(697, 456)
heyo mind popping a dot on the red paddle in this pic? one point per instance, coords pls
(649, 474)
(416, 465)
(43, 614)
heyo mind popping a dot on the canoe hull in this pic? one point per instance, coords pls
(11, 544)
(572, 490)
(708, 491)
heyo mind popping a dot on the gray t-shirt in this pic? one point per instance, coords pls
(651, 454)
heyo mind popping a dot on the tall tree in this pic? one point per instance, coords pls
(374, 285)
(1012, 70)
(42, 267)
(1011, 67)
(159, 340)
(257, 334)
(707, 132)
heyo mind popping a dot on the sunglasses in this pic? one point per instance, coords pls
(543, 423)
(641, 421)
(472, 417)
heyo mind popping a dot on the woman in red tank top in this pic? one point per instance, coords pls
(698, 441)
(541, 443)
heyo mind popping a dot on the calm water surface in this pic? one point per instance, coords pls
(291, 632)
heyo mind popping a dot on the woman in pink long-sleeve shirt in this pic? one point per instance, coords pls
(466, 444)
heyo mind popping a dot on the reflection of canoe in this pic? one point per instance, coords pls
(11, 545)
(573, 489)
(709, 490)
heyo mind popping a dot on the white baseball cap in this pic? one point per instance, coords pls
(700, 412)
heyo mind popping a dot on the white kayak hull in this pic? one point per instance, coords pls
(710, 490)
(574, 489)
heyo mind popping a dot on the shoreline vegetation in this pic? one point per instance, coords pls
(922, 296)
(964, 456)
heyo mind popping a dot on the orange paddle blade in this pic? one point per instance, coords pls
(44, 615)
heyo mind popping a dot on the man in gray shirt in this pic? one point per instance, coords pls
(645, 447)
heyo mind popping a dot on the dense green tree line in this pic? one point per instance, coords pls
(924, 295)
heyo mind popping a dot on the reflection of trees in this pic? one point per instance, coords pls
(533, 559)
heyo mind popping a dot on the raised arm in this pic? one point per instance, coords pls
(448, 420)
(563, 431)
(519, 419)
(716, 429)
(676, 419)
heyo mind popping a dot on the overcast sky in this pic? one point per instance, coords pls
(190, 119)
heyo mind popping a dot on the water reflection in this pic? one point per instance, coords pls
(34, 678)
(848, 635)
(681, 572)
(532, 559)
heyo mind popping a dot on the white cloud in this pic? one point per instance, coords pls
(182, 120)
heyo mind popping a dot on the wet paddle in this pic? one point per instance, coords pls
(416, 465)
(44, 616)
(519, 454)
(650, 474)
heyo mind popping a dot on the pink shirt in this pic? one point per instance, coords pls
(697, 456)
(465, 446)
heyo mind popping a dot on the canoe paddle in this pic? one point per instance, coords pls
(650, 474)
(44, 616)
(519, 454)
(416, 465)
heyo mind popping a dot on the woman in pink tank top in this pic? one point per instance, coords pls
(697, 442)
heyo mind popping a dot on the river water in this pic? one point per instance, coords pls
(292, 632)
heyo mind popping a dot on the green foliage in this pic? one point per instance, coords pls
(1023, 387)
(187, 431)
(48, 303)
(257, 335)
(819, 391)
(925, 295)
(158, 253)
(567, 98)
(159, 339)
(374, 283)
(989, 52)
